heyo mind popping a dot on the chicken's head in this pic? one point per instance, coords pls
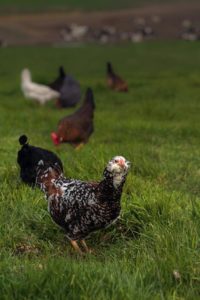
(118, 165)
(117, 169)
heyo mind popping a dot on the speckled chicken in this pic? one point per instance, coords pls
(83, 207)
(77, 128)
(114, 81)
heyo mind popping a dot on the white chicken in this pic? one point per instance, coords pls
(35, 91)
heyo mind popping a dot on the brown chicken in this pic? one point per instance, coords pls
(114, 81)
(76, 129)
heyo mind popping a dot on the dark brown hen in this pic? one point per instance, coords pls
(77, 128)
(83, 207)
(114, 81)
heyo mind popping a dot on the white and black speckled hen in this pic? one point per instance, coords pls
(83, 207)
(28, 158)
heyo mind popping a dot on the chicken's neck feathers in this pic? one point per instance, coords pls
(50, 188)
(112, 183)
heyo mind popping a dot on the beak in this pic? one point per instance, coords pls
(124, 164)
(121, 163)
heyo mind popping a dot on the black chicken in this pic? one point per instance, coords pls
(28, 158)
(68, 87)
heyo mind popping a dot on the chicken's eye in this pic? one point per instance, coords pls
(116, 160)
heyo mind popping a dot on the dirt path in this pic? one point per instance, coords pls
(44, 28)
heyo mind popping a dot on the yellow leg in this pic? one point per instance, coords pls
(85, 246)
(79, 146)
(76, 247)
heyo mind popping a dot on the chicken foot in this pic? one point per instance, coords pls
(85, 247)
(78, 249)
(79, 146)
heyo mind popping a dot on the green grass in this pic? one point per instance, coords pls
(156, 127)
(45, 5)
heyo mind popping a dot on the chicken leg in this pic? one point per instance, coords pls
(76, 247)
(78, 147)
(85, 246)
(87, 250)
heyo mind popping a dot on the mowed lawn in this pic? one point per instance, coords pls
(153, 251)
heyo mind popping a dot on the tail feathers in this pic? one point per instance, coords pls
(89, 97)
(109, 68)
(62, 72)
(23, 139)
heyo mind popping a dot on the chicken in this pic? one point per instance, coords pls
(58, 82)
(35, 91)
(114, 81)
(76, 128)
(28, 158)
(69, 89)
(83, 207)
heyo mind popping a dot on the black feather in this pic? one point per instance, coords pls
(68, 87)
(23, 139)
(109, 68)
(62, 72)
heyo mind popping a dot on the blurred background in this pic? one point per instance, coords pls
(68, 22)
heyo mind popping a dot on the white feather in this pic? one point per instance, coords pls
(35, 91)
(118, 166)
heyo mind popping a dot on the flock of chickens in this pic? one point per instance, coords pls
(77, 206)
(76, 128)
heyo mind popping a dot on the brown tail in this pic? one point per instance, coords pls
(88, 105)
(89, 98)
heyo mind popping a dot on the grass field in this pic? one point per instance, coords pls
(37, 5)
(156, 127)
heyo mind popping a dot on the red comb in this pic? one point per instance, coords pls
(55, 138)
